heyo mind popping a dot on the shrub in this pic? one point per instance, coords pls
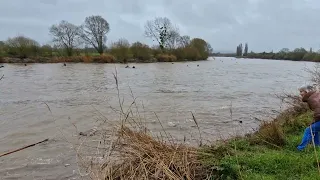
(309, 56)
(141, 156)
(156, 51)
(38, 60)
(141, 51)
(121, 50)
(295, 125)
(46, 51)
(22, 47)
(105, 58)
(166, 58)
(316, 58)
(187, 53)
(269, 133)
(87, 59)
(203, 48)
(63, 59)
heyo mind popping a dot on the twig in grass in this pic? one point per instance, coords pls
(196, 122)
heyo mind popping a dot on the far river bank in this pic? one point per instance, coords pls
(94, 59)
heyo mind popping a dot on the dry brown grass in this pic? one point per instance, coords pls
(272, 132)
(143, 157)
(87, 59)
(106, 58)
(166, 58)
(133, 152)
(62, 59)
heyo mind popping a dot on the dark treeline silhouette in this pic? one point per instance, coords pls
(298, 54)
(87, 43)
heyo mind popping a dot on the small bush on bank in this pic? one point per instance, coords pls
(269, 133)
(121, 50)
(187, 53)
(143, 157)
(105, 58)
(2, 60)
(141, 51)
(166, 58)
(87, 59)
(316, 58)
(156, 51)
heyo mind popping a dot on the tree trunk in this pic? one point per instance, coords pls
(69, 52)
(100, 45)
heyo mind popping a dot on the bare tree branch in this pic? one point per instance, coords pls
(94, 31)
(184, 41)
(173, 38)
(66, 35)
(161, 30)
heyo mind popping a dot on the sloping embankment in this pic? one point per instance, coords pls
(269, 153)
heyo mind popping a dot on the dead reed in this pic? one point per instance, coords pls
(106, 58)
(133, 152)
(144, 157)
(166, 58)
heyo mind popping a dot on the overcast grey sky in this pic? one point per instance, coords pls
(264, 24)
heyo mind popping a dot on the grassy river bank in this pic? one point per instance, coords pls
(269, 153)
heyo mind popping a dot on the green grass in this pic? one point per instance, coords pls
(240, 158)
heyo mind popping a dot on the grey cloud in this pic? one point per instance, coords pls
(264, 24)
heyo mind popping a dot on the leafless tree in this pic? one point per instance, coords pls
(66, 35)
(184, 41)
(161, 30)
(173, 39)
(315, 75)
(94, 31)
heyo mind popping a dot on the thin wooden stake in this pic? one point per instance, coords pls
(10, 152)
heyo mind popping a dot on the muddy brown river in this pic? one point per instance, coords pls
(40, 101)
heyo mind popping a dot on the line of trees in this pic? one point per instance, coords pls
(89, 39)
(298, 54)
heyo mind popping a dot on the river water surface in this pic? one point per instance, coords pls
(42, 101)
